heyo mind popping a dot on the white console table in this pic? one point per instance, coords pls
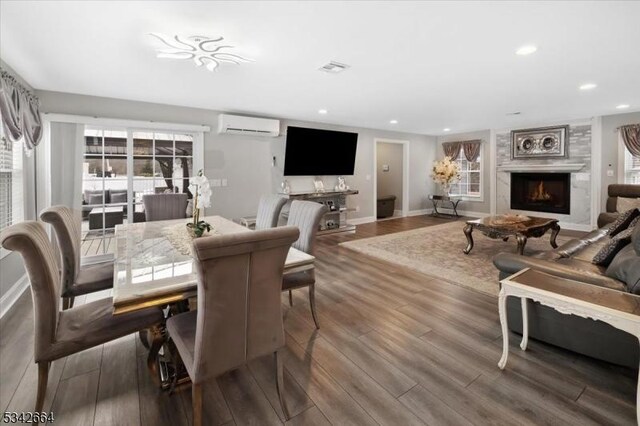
(335, 220)
(618, 309)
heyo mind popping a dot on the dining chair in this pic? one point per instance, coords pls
(269, 211)
(62, 333)
(305, 215)
(165, 206)
(76, 279)
(239, 315)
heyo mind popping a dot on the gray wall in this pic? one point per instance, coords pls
(483, 206)
(246, 162)
(389, 182)
(610, 148)
(11, 267)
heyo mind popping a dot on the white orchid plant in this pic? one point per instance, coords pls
(445, 172)
(201, 190)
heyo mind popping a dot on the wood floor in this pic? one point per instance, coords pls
(395, 348)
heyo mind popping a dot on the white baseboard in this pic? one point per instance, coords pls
(13, 294)
(397, 213)
(361, 220)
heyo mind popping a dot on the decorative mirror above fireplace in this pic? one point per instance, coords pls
(543, 142)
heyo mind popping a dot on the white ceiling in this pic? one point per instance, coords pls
(430, 65)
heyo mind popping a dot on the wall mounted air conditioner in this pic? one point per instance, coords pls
(239, 125)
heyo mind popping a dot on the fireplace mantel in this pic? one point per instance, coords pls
(549, 168)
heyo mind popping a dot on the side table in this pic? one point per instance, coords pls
(442, 199)
(618, 309)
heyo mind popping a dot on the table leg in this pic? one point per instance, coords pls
(522, 241)
(502, 309)
(468, 229)
(435, 207)
(525, 324)
(554, 233)
(158, 336)
(455, 208)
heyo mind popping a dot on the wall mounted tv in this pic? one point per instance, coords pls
(315, 152)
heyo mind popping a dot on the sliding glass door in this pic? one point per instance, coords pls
(119, 167)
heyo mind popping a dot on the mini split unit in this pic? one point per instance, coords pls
(240, 125)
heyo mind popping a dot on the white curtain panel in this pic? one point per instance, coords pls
(66, 142)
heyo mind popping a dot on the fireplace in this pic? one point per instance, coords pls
(541, 192)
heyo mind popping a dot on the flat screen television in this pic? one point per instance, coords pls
(315, 152)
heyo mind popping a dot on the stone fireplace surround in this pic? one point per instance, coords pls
(578, 164)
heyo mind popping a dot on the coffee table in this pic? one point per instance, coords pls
(505, 226)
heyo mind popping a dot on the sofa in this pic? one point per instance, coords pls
(111, 196)
(613, 192)
(573, 260)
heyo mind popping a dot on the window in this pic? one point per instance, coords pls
(11, 182)
(631, 167)
(470, 184)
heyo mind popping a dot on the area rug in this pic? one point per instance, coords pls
(437, 251)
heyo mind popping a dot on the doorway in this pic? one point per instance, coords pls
(391, 178)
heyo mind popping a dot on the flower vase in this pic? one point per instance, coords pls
(446, 189)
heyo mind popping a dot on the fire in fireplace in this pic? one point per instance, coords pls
(541, 192)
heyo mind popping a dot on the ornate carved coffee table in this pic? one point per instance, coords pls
(505, 226)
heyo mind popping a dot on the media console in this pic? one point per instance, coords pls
(335, 220)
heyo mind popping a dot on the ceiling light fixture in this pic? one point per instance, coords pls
(588, 86)
(393, 121)
(203, 50)
(526, 50)
(622, 106)
(322, 111)
(446, 129)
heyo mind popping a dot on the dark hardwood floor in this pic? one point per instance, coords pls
(395, 347)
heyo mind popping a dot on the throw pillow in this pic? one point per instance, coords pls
(623, 221)
(606, 254)
(625, 267)
(623, 204)
(118, 198)
(95, 199)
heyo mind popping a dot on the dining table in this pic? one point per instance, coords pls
(154, 266)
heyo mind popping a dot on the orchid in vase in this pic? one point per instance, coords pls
(445, 172)
(201, 190)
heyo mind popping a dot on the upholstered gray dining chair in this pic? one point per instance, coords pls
(165, 206)
(269, 211)
(306, 215)
(76, 280)
(239, 315)
(62, 333)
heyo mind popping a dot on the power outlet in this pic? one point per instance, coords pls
(224, 182)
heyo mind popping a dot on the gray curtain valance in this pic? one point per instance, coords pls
(471, 149)
(20, 111)
(451, 149)
(631, 138)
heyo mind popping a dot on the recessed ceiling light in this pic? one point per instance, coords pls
(207, 51)
(588, 86)
(393, 121)
(526, 50)
(333, 67)
(322, 111)
(446, 129)
(622, 106)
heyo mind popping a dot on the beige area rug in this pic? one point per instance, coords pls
(437, 251)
